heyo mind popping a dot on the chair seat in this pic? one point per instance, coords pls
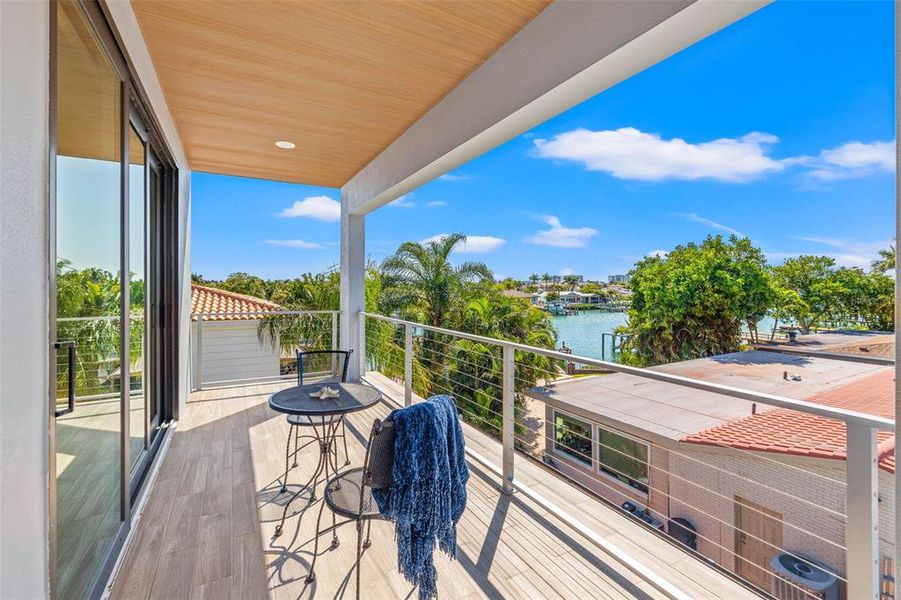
(304, 420)
(342, 495)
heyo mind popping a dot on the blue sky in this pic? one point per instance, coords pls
(780, 127)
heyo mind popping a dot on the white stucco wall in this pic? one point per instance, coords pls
(24, 324)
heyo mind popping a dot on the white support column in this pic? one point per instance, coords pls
(862, 510)
(509, 369)
(353, 288)
(897, 479)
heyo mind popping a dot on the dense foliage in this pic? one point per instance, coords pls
(420, 283)
(88, 309)
(693, 301)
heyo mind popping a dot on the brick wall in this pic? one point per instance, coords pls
(794, 488)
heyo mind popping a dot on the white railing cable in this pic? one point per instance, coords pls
(862, 520)
(848, 416)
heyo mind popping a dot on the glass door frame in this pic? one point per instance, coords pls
(133, 105)
(153, 278)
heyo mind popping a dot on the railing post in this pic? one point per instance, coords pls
(335, 342)
(362, 337)
(198, 348)
(408, 365)
(507, 439)
(862, 510)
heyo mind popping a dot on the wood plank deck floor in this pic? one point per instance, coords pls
(207, 527)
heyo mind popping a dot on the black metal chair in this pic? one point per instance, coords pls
(298, 422)
(349, 494)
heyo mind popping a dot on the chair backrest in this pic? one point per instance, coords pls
(378, 466)
(340, 369)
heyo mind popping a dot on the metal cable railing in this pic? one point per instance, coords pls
(492, 380)
(254, 347)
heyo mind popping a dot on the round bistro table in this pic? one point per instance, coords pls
(325, 417)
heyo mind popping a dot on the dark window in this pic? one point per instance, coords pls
(573, 438)
(623, 458)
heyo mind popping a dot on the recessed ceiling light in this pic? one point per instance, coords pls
(285, 145)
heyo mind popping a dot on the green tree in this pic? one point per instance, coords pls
(785, 304)
(571, 281)
(865, 297)
(692, 302)
(813, 279)
(886, 260)
(420, 282)
(508, 283)
(595, 288)
(244, 283)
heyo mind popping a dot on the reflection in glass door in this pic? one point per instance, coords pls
(143, 184)
(140, 389)
(88, 295)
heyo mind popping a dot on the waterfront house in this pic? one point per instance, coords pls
(565, 298)
(750, 481)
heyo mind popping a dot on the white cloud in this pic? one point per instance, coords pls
(567, 271)
(560, 236)
(628, 153)
(853, 159)
(657, 254)
(404, 201)
(298, 244)
(321, 208)
(436, 203)
(695, 218)
(846, 253)
(474, 244)
(453, 177)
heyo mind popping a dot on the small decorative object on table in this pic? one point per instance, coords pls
(325, 393)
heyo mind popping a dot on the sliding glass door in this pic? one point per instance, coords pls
(89, 310)
(106, 200)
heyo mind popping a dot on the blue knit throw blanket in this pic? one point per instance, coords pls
(428, 492)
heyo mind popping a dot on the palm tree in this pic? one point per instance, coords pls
(886, 260)
(419, 279)
(571, 280)
(534, 278)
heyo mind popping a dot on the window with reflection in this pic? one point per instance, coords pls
(573, 437)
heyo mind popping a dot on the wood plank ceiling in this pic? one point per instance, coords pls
(341, 80)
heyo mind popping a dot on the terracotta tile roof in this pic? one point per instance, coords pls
(883, 346)
(791, 432)
(211, 300)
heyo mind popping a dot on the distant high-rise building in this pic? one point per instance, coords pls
(618, 279)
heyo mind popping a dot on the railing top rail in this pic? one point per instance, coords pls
(265, 312)
(840, 414)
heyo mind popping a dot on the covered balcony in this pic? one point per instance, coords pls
(690, 481)
(549, 511)
(604, 487)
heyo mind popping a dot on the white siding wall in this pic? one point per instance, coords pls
(232, 351)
